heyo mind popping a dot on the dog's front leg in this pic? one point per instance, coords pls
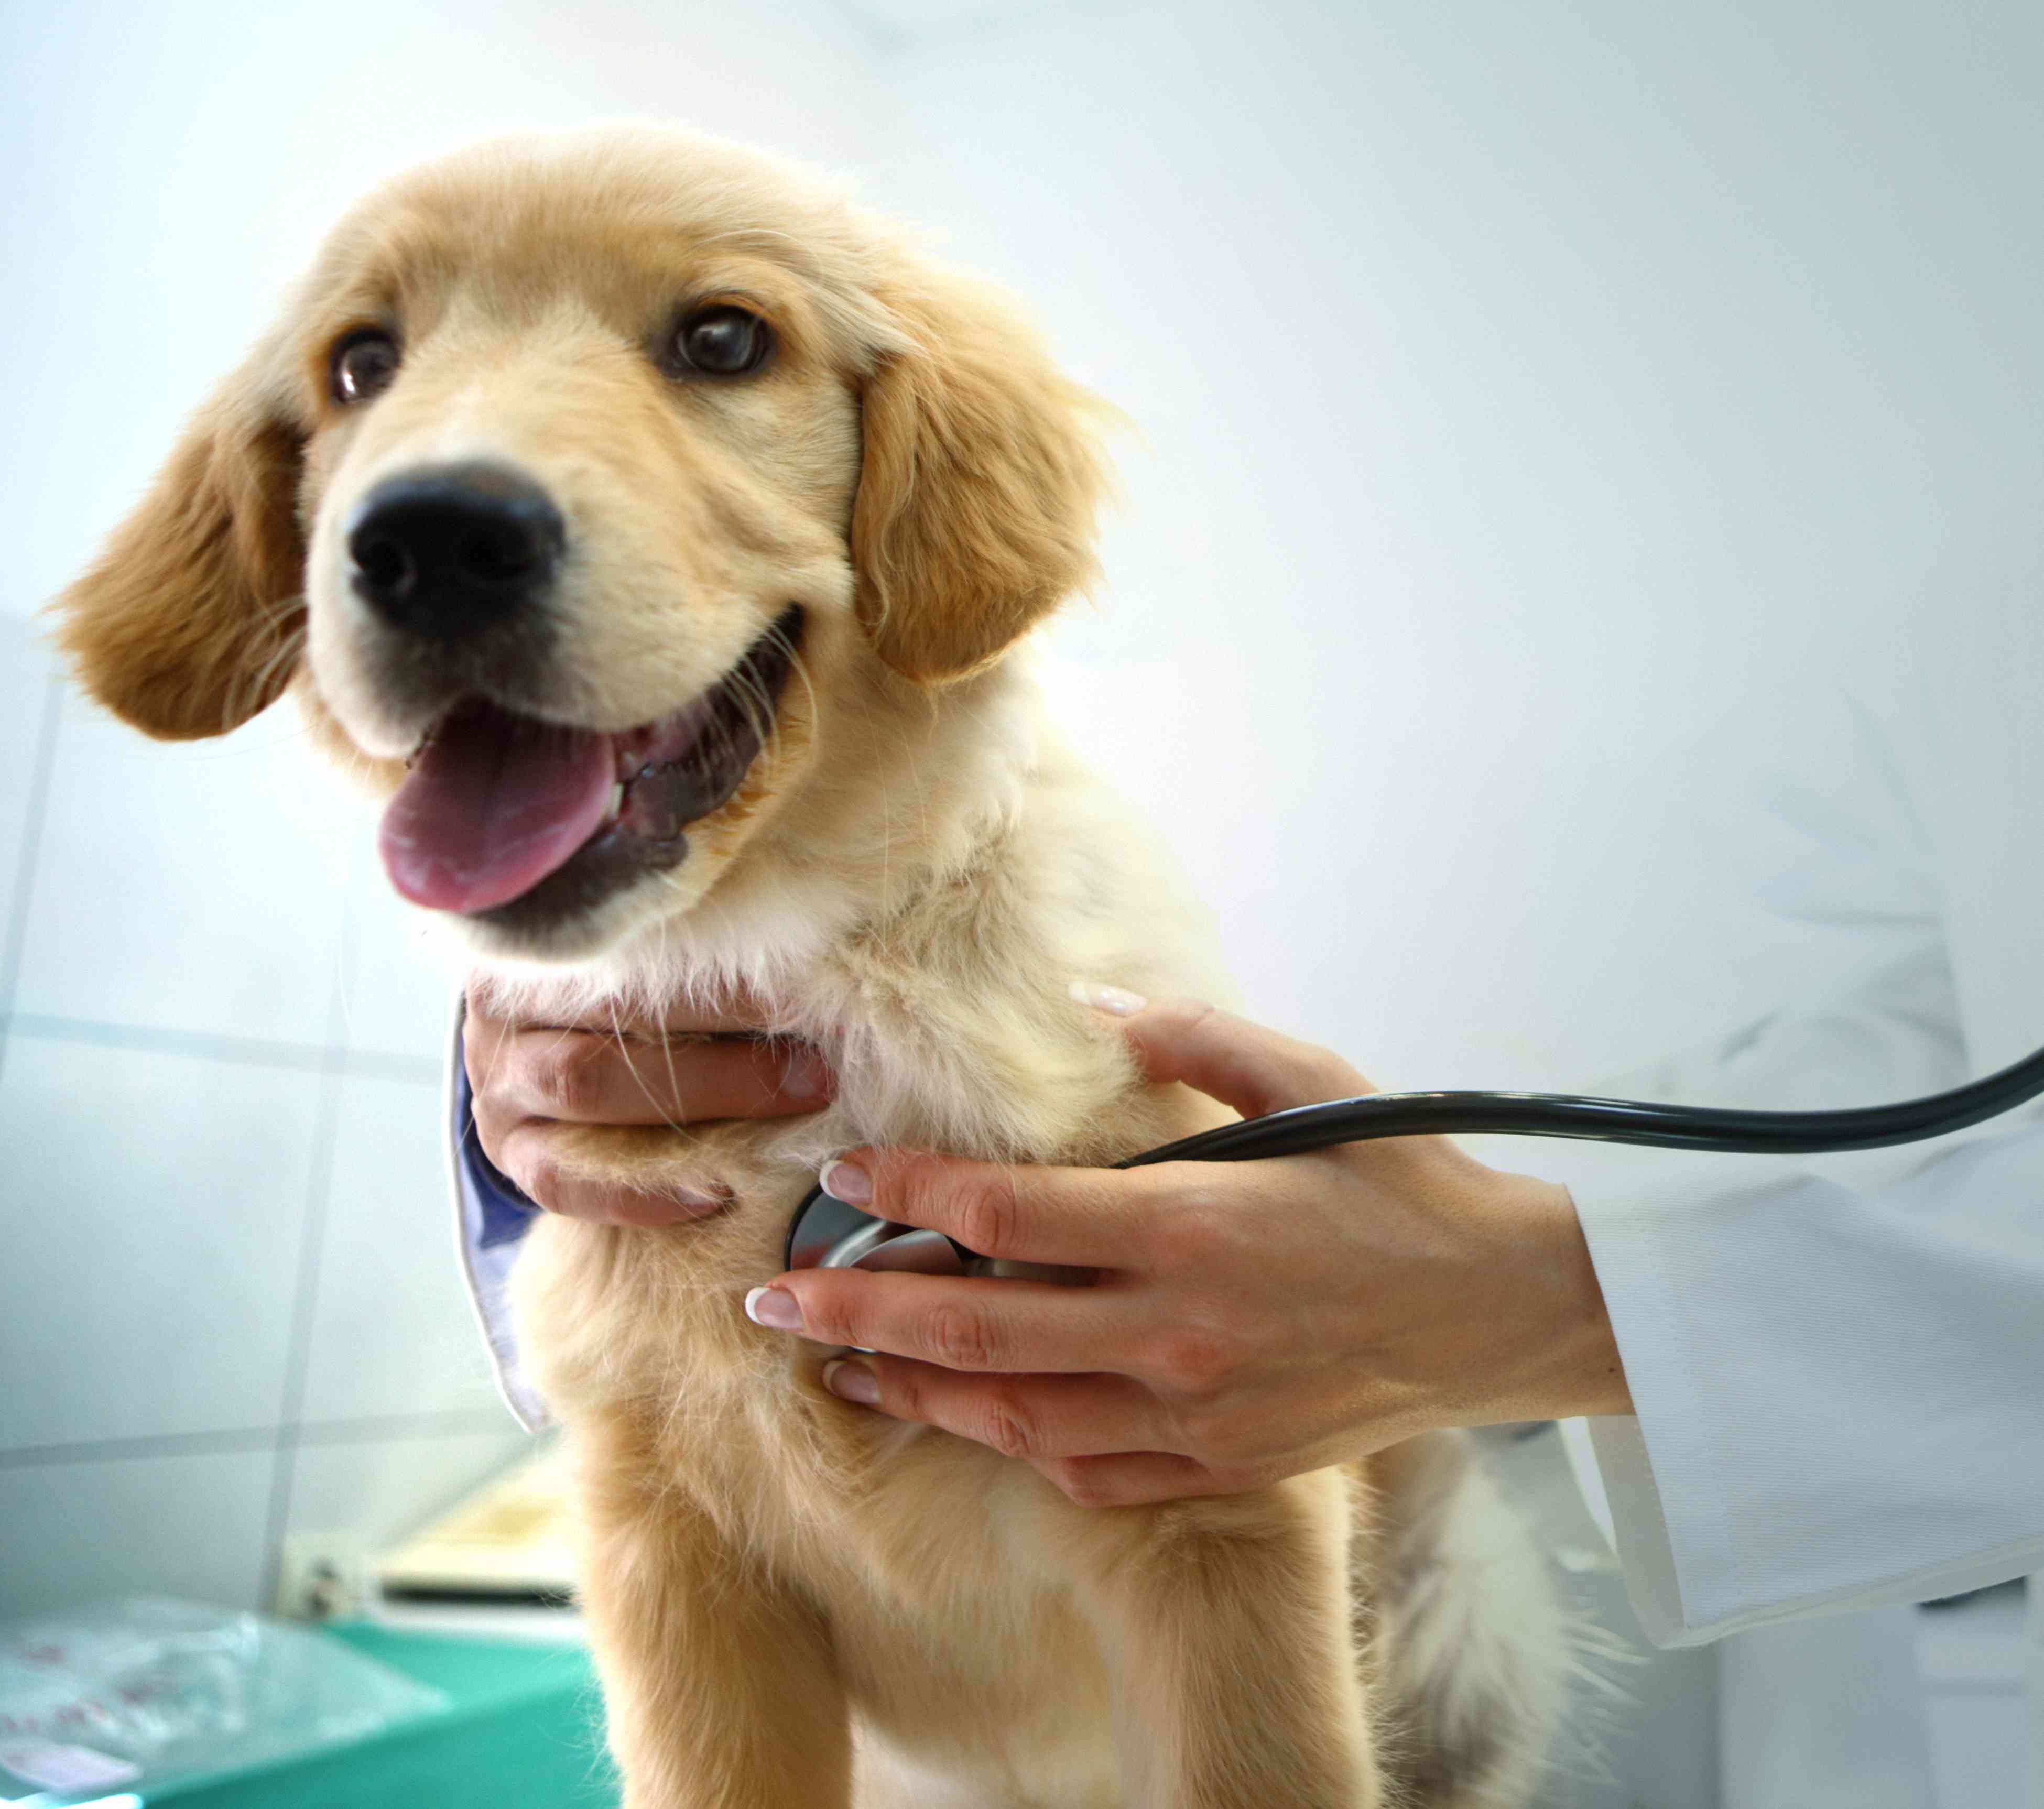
(1227, 1627)
(718, 1682)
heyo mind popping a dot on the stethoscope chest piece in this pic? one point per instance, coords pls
(828, 1234)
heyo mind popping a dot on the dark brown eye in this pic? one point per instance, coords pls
(363, 365)
(723, 342)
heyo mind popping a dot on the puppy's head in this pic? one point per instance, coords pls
(578, 478)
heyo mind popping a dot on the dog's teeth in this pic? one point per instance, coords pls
(616, 808)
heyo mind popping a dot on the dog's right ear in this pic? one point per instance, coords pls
(980, 471)
(191, 618)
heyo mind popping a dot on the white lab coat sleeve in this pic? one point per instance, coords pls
(1837, 1363)
(1837, 1388)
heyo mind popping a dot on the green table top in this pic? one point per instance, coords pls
(524, 1730)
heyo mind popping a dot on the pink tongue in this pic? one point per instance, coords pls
(494, 804)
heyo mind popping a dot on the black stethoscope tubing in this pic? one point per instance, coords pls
(1307, 1127)
(1303, 1129)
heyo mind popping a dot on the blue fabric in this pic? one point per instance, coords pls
(505, 1208)
(494, 1214)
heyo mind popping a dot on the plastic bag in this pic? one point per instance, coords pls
(129, 1694)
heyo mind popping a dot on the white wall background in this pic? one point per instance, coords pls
(1520, 385)
(1515, 388)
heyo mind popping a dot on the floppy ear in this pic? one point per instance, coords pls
(978, 480)
(191, 619)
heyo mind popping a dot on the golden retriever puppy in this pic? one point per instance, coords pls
(656, 530)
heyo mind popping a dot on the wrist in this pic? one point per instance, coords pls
(1565, 1362)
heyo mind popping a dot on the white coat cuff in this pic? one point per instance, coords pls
(1636, 1281)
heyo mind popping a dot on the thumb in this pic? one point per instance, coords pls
(1242, 1064)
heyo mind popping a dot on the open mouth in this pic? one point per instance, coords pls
(516, 822)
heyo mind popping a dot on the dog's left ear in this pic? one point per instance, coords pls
(979, 477)
(189, 621)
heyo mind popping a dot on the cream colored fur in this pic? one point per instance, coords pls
(790, 1598)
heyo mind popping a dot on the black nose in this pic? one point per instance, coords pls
(453, 549)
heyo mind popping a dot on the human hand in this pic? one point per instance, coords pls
(1249, 1320)
(532, 1082)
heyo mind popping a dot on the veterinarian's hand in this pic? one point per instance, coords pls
(532, 1082)
(1249, 1320)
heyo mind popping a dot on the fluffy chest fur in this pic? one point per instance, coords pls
(944, 1004)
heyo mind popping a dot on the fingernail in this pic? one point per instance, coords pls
(808, 1076)
(843, 1181)
(775, 1308)
(1117, 1002)
(852, 1382)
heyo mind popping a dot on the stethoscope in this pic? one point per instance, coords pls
(828, 1234)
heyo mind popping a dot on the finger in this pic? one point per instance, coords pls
(578, 1076)
(737, 1012)
(1133, 1479)
(1029, 1417)
(1244, 1064)
(484, 1037)
(1080, 1218)
(527, 1156)
(974, 1323)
